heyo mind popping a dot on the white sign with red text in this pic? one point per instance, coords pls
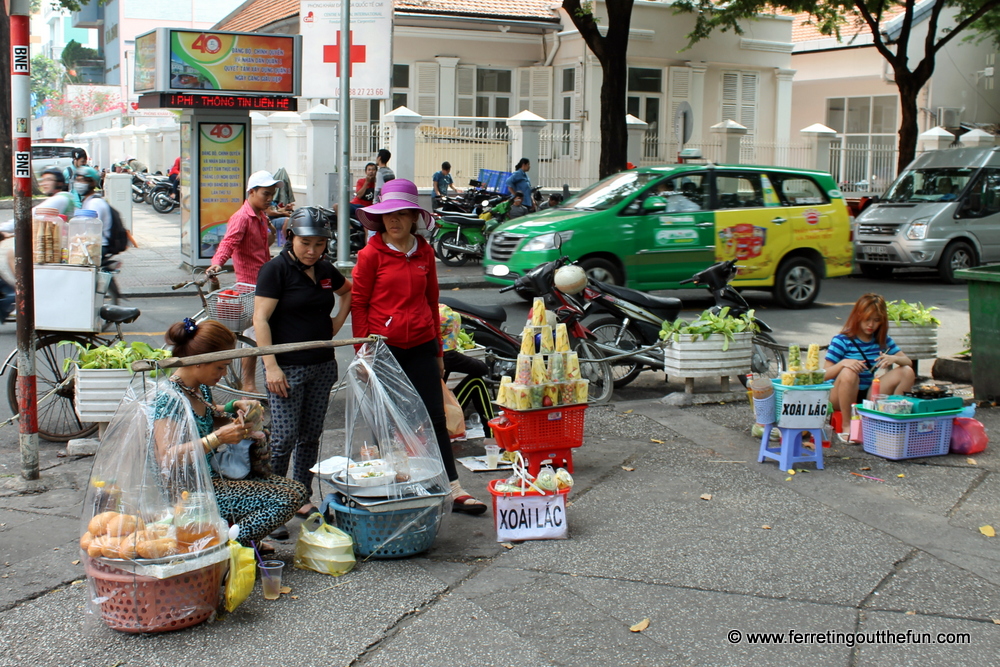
(370, 43)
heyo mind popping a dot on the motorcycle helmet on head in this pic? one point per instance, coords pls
(570, 279)
(311, 221)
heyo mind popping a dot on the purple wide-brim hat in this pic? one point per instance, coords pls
(397, 194)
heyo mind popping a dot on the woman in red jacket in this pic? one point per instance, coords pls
(395, 295)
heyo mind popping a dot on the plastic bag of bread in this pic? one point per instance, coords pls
(150, 507)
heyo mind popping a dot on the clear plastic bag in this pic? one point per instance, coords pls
(385, 415)
(150, 515)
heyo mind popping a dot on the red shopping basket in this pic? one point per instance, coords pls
(535, 430)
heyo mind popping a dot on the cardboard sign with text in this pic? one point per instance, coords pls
(804, 409)
(530, 517)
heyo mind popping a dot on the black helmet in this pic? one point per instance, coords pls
(79, 153)
(311, 221)
(57, 174)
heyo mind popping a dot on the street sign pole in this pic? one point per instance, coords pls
(20, 108)
(344, 207)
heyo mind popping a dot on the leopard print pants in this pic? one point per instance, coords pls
(259, 504)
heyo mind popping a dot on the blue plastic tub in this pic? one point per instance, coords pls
(371, 529)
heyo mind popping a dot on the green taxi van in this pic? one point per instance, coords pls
(652, 227)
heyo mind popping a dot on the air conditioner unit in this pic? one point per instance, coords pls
(949, 117)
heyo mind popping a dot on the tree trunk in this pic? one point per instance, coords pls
(909, 89)
(6, 137)
(614, 130)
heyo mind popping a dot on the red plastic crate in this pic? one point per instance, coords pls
(547, 429)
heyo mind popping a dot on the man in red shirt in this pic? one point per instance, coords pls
(248, 242)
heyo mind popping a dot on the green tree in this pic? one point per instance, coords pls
(47, 77)
(74, 55)
(900, 49)
(611, 51)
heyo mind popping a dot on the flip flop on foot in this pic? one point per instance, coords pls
(306, 510)
(466, 504)
(266, 548)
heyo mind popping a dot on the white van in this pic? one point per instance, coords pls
(58, 155)
(942, 212)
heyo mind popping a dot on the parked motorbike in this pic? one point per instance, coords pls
(154, 184)
(138, 188)
(461, 237)
(485, 323)
(163, 200)
(633, 321)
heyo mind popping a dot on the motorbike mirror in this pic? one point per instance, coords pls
(485, 202)
(500, 270)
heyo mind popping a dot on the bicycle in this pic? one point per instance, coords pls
(57, 418)
(237, 318)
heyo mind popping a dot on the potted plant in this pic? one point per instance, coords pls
(714, 345)
(913, 328)
(103, 375)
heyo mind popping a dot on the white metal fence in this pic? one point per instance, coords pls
(863, 168)
(466, 147)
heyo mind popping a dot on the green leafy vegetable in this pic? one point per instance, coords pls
(709, 323)
(118, 356)
(901, 311)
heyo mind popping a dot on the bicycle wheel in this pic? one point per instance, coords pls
(765, 360)
(594, 368)
(57, 418)
(609, 331)
(234, 385)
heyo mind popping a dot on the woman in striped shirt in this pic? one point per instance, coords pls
(861, 348)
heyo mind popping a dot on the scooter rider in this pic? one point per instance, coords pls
(87, 180)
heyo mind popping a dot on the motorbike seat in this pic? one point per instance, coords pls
(119, 314)
(494, 314)
(659, 304)
(464, 222)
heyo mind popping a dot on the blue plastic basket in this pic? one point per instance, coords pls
(371, 529)
(780, 389)
(905, 436)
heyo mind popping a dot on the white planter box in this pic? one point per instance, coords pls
(705, 357)
(916, 342)
(98, 392)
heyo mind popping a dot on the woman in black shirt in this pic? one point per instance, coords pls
(293, 303)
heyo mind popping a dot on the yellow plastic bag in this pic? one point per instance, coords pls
(323, 548)
(242, 571)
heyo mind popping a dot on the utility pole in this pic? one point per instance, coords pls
(20, 111)
(344, 207)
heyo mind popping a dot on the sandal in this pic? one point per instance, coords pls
(266, 548)
(466, 504)
(306, 511)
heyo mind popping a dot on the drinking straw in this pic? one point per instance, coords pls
(867, 477)
(259, 559)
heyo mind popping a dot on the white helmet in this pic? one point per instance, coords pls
(570, 279)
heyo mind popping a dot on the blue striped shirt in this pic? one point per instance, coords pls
(843, 347)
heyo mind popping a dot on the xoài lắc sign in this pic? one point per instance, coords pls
(804, 409)
(369, 44)
(530, 517)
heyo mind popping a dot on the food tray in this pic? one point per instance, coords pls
(905, 436)
(421, 469)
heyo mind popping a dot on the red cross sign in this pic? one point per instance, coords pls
(331, 54)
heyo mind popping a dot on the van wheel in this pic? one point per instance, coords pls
(797, 283)
(875, 272)
(957, 256)
(602, 270)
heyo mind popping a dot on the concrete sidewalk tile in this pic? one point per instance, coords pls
(982, 648)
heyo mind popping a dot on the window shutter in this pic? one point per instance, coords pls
(465, 92)
(748, 101)
(427, 88)
(360, 128)
(731, 96)
(534, 90)
(679, 90)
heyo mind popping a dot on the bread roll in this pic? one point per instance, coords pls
(123, 524)
(127, 547)
(157, 548)
(99, 524)
(86, 540)
(110, 546)
(100, 543)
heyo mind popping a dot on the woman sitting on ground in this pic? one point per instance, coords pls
(258, 503)
(861, 348)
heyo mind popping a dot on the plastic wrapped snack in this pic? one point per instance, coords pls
(523, 374)
(539, 374)
(562, 338)
(572, 364)
(518, 398)
(581, 389)
(546, 345)
(567, 393)
(818, 377)
(557, 367)
(564, 480)
(537, 312)
(502, 397)
(546, 479)
(812, 357)
(794, 358)
(536, 392)
(528, 341)
(149, 514)
(550, 396)
(788, 378)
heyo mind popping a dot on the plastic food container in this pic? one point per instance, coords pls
(84, 238)
(894, 407)
(372, 478)
(375, 465)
